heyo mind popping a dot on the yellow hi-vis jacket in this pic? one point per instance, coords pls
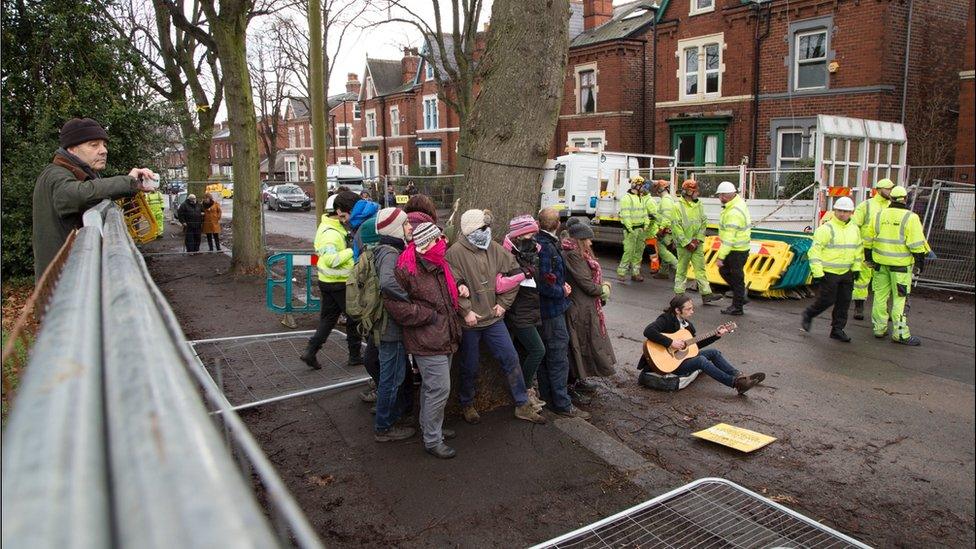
(688, 221)
(896, 234)
(633, 214)
(864, 214)
(837, 248)
(665, 211)
(733, 227)
(651, 205)
(335, 257)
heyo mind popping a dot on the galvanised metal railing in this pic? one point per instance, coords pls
(109, 443)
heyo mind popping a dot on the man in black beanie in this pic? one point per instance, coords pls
(71, 184)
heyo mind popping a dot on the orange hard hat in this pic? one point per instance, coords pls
(661, 184)
(689, 185)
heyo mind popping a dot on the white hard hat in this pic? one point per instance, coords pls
(844, 204)
(330, 204)
(725, 187)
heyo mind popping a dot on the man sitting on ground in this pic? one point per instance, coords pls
(678, 316)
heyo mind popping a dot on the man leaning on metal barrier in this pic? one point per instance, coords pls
(71, 184)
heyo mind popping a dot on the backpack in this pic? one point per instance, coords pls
(363, 302)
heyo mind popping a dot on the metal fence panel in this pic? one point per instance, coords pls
(174, 482)
(55, 492)
(949, 219)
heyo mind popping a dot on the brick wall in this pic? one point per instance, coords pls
(964, 150)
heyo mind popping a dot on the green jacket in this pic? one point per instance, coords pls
(62, 193)
(837, 248)
(733, 227)
(896, 234)
(688, 222)
(334, 254)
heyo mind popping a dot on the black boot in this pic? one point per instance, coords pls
(858, 309)
(308, 357)
(840, 335)
(355, 358)
(806, 322)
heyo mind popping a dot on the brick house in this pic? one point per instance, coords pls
(296, 153)
(406, 126)
(699, 93)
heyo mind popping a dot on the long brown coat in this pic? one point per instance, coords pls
(211, 218)
(430, 325)
(591, 352)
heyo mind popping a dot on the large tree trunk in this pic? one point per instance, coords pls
(513, 119)
(316, 84)
(230, 34)
(197, 145)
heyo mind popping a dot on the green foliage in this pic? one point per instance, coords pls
(61, 60)
(796, 182)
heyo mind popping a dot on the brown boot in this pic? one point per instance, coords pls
(637, 277)
(471, 415)
(743, 383)
(528, 413)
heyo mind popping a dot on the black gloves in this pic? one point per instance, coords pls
(919, 262)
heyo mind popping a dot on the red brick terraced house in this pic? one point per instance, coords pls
(729, 81)
(965, 145)
(406, 125)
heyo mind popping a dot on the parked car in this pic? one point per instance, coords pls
(288, 197)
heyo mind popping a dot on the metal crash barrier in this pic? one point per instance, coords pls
(281, 281)
(109, 443)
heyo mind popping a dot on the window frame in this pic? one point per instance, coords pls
(370, 159)
(587, 138)
(339, 137)
(292, 138)
(428, 71)
(357, 111)
(423, 159)
(396, 169)
(370, 122)
(700, 45)
(797, 61)
(394, 121)
(693, 8)
(578, 71)
(431, 109)
(779, 147)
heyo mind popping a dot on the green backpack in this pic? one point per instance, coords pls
(363, 302)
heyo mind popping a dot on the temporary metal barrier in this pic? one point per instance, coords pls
(709, 512)
(948, 213)
(281, 281)
(108, 442)
(55, 485)
(260, 369)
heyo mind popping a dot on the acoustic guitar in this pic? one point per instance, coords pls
(666, 360)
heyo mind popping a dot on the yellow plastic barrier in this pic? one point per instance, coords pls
(768, 260)
(139, 218)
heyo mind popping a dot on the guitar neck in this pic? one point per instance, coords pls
(699, 339)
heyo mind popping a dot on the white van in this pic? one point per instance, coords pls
(576, 181)
(338, 175)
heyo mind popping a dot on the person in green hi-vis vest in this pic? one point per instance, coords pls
(898, 247)
(633, 216)
(688, 230)
(863, 214)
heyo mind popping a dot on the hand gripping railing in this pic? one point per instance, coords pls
(108, 442)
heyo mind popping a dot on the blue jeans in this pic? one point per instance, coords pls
(500, 345)
(712, 363)
(554, 370)
(393, 360)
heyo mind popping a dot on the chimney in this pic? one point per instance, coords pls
(409, 64)
(352, 82)
(596, 13)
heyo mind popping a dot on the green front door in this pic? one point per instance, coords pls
(699, 141)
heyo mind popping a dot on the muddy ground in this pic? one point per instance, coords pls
(874, 439)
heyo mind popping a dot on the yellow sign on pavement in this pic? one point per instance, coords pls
(738, 438)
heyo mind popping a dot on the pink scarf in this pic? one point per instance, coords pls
(597, 277)
(435, 255)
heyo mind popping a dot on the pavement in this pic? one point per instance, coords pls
(875, 439)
